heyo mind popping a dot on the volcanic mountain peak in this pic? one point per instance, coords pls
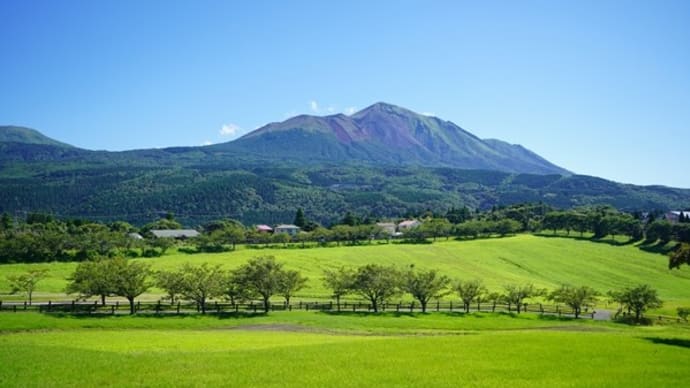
(388, 134)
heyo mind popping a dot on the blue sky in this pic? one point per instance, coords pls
(601, 88)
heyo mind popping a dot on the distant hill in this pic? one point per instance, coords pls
(12, 134)
(385, 134)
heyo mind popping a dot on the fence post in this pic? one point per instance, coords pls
(354, 307)
(438, 305)
(158, 307)
(138, 307)
(178, 307)
(237, 307)
(72, 309)
(451, 306)
(15, 308)
(24, 305)
(479, 305)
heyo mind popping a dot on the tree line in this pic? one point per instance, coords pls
(42, 238)
(263, 278)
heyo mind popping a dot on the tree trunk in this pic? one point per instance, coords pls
(577, 312)
(337, 302)
(30, 293)
(103, 299)
(267, 305)
(203, 305)
(131, 305)
(423, 303)
(374, 305)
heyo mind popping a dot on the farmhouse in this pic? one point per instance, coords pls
(408, 224)
(677, 216)
(264, 229)
(180, 234)
(291, 230)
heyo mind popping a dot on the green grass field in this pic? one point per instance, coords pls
(301, 349)
(546, 261)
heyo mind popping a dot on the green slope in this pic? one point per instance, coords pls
(547, 262)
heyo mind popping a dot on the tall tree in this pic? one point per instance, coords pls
(339, 281)
(470, 291)
(679, 256)
(201, 282)
(425, 285)
(27, 282)
(516, 294)
(575, 297)
(91, 278)
(290, 282)
(130, 279)
(299, 218)
(260, 276)
(171, 282)
(637, 299)
(376, 283)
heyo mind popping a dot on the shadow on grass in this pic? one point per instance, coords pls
(680, 342)
(220, 316)
(659, 248)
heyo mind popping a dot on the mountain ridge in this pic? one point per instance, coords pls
(387, 134)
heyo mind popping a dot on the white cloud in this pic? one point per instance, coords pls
(229, 129)
(428, 113)
(314, 106)
(350, 110)
(330, 109)
(206, 143)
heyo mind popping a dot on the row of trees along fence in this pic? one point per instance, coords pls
(160, 307)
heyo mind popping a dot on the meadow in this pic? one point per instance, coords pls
(316, 349)
(547, 262)
(350, 350)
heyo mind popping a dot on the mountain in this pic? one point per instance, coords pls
(385, 134)
(382, 162)
(12, 134)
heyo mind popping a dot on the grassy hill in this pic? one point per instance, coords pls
(545, 261)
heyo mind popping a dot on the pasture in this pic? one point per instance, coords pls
(545, 261)
(354, 350)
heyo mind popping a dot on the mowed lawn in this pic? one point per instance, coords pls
(347, 350)
(545, 261)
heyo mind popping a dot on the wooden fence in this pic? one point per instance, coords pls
(160, 307)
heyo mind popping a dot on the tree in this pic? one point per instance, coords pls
(171, 282)
(339, 281)
(436, 227)
(425, 285)
(299, 218)
(377, 283)
(637, 299)
(470, 291)
(680, 256)
(130, 279)
(507, 226)
(201, 282)
(6, 222)
(91, 278)
(516, 294)
(260, 276)
(575, 297)
(27, 282)
(290, 282)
